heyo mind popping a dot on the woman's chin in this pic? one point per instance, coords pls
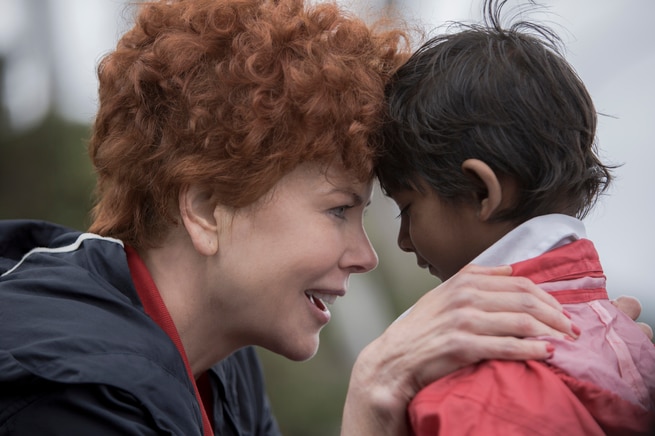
(298, 352)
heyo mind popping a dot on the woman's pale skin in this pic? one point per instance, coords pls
(264, 275)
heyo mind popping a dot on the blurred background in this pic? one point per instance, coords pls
(49, 50)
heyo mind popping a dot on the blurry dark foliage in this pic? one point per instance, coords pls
(45, 172)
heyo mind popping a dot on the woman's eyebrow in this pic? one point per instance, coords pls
(357, 199)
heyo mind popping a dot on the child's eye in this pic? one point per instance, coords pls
(403, 211)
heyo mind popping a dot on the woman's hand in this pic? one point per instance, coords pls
(479, 313)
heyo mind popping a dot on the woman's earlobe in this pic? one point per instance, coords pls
(490, 203)
(197, 206)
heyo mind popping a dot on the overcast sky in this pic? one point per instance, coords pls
(610, 43)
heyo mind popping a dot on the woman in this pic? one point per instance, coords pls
(234, 147)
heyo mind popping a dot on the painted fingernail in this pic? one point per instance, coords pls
(550, 349)
(576, 330)
(566, 313)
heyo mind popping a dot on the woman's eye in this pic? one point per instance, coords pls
(339, 212)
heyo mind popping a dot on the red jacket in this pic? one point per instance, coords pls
(536, 398)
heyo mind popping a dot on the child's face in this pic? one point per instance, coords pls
(444, 236)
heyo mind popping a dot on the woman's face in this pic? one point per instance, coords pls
(282, 260)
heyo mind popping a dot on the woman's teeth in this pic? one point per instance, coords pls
(321, 300)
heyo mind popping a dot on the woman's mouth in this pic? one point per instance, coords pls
(320, 300)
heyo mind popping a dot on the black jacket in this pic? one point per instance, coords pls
(79, 356)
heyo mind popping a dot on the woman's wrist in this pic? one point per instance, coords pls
(377, 397)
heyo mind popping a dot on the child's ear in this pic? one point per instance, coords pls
(490, 202)
(197, 209)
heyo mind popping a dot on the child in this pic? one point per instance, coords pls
(490, 156)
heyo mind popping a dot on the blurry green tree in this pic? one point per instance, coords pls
(45, 173)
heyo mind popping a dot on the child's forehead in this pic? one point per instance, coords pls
(408, 193)
(408, 184)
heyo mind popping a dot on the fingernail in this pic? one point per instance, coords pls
(576, 330)
(550, 349)
(566, 313)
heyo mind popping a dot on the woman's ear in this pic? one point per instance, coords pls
(490, 203)
(197, 206)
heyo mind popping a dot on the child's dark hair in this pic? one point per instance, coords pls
(504, 96)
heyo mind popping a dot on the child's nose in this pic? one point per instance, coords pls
(404, 241)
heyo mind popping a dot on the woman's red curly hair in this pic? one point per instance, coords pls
(232, 94)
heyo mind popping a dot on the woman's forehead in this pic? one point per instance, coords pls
(322, 180)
